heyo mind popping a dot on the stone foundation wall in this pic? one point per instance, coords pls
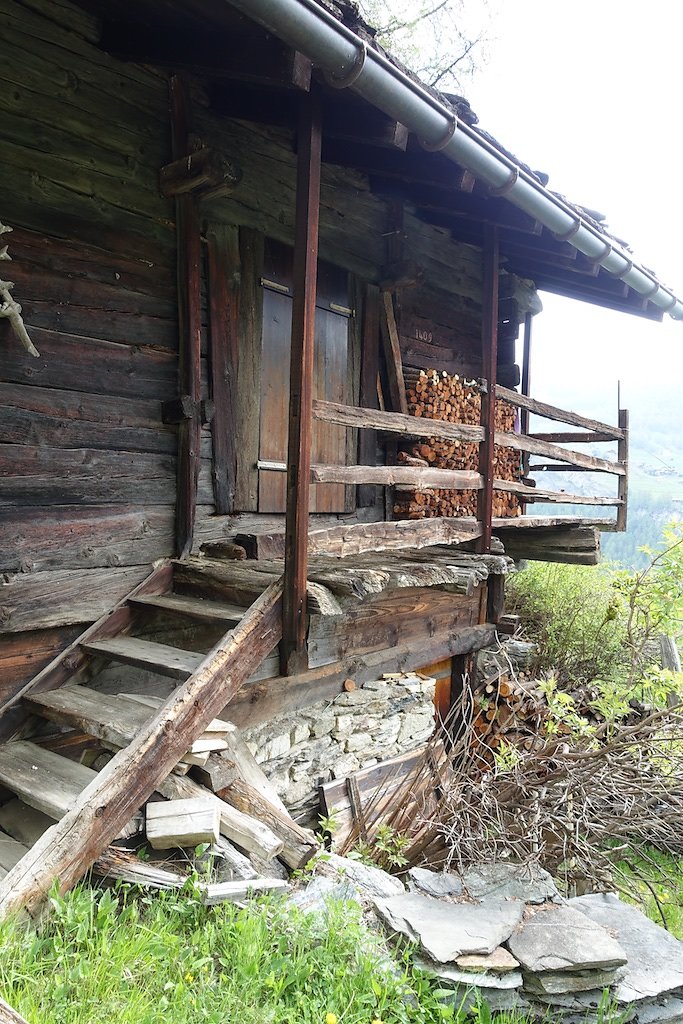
(333, 739)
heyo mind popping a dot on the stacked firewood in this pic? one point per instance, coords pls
(435, 394)
(508, 712)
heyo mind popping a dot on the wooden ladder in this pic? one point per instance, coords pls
(91, 808)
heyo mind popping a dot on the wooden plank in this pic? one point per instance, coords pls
(133, 774)
(191, 607)
(530, 444)
(109, 718)
(489, 343)
(224, 276)
(572, 437)
(555, 497)
(395, 423)
(248, 398)
(44, 780)
(622, 456)
(205, 172)
(173, 823)
(224, 892)
(570, 545)
(299, 843)
(409, 476)
(536, 522)
(8, 1015)
(309, 140)
(189, 260)
(167, 661)
(552, 412)
(392, 355)
(243, 829)
(367, 439)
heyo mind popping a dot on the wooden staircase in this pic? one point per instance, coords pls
(92, 808)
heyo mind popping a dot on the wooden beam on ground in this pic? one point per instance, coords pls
(392, 355)
(305, 276)
(204, 174)
(8, 1015)
(299, 843)
(132, 775)
(395, 423)
(189, 273)
(622, 456)
(489, 342)
(552, 412)
(223, 269)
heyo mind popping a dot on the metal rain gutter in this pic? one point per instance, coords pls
(348, 62)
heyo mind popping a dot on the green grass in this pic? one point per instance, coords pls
(115, 958)
(661, 895)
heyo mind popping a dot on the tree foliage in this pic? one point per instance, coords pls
(442, 41)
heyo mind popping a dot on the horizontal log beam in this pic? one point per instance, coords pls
(556, 497)
(552, 412)
(573, 437)
(386, 476)
(540, 522)
(529, 444)
(394, 422)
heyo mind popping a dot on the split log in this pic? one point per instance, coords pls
(240, 828)
(109, 801)
(299, 843)
(189, 822)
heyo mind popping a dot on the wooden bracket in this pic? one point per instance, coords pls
(204, 174)
(177, 410)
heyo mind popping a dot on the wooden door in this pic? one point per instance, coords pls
(331, 377)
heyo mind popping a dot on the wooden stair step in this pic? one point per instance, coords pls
(160, 658)
(23, 823)
(42, 779)
(193, 607)
(109, 718)
(11, 853)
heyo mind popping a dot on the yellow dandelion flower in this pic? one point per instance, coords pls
(331, 1018)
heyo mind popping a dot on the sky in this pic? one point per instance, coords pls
(589, 92)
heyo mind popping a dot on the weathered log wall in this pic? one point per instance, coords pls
(87, 468)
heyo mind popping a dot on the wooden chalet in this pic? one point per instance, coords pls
(263, 428)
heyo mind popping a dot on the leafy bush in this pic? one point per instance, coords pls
(576, 615)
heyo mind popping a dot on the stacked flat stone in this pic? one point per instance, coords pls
(503, 934)
(335, 738)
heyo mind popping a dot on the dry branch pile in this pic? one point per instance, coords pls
(434, 394)
(521, 792)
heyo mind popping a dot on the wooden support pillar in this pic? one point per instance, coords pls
(189, 279)
(223, 268)
(622, 457)
(367, 439)
(293, 647)
(489, 338)
(526, 384)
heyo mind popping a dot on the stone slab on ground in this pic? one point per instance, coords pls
(556, 982)
(560, 938)
(454, 976)
(488, 881)
(500, 960)
(464, 998)
(445, 930)
(369, 880)
(655, 957)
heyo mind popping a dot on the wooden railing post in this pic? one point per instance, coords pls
(293, 646)
(622, 457)
(490, 366)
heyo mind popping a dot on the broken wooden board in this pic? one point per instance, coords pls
(43, 779)
(224, 892)
(189, 822)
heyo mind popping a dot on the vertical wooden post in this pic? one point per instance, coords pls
(526, 385)
(367, 440)
(489, 338)
(622, 457)
(189, 263)
(223, 270)
(293, 647)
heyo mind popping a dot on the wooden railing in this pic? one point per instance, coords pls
(546, 445)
